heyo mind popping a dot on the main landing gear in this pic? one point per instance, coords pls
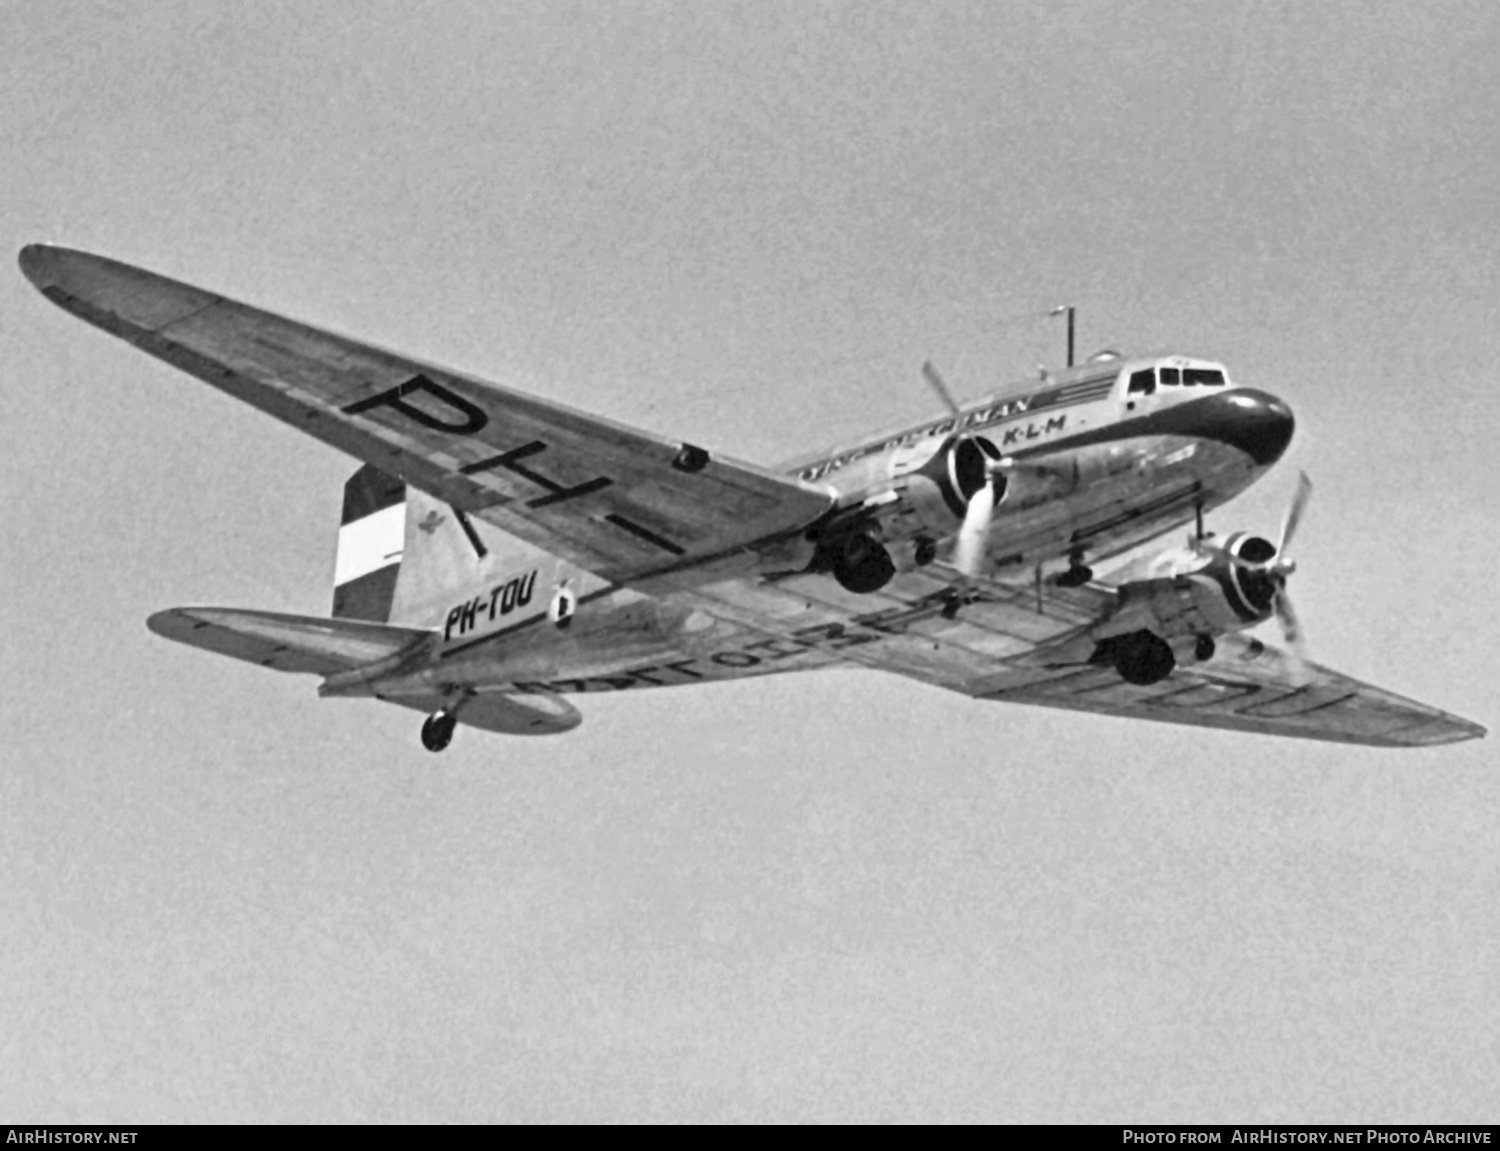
(437, 732)
(1078, 572)
(1141, 657)
(861, 564)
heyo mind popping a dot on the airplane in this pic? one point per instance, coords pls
(499, 553)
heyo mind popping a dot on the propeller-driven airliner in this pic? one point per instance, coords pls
(500, 554)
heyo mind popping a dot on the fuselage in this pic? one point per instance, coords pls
(1097, 460)
(1108, 455)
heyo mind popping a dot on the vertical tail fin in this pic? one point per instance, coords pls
(371, 539)
(450, 556)
(406, 558)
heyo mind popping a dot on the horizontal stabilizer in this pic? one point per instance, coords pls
(286, 642)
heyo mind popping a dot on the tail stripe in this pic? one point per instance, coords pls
(368, 491)
(370, 544)
(371, 538)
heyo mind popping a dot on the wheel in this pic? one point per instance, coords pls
(437, 731)
(1075, 576)
(863, 565)
(1144, 658)
(925, 553)
(1204, 648)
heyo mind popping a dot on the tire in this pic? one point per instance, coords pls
(1144, 658)
(863, 566)
(437, 731)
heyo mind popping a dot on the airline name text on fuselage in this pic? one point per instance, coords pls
(977, 418)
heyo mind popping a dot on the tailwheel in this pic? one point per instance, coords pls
(437, 731)
(1204, 648)
(1143, 658)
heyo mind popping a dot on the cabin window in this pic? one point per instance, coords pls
(1207, 377)
(1170, 377)
(1143, 382)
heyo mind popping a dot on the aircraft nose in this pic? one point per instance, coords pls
(1256, 422)
(1262, 424)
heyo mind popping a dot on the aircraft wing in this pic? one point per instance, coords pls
(1246, 687)
(626, 504)
(1011, 644)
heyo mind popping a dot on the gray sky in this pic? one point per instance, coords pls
(836, 896)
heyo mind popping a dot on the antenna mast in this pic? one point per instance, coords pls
(1071, 313)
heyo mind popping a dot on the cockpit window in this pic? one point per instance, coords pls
(1143, 382)
(1207, 377)
(1170, 377)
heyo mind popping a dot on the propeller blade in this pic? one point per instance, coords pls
(1291, 631)
(930, 374)
(974, 534)
(1294, 512)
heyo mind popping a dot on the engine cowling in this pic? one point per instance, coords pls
(1209, 589)
(934, 483)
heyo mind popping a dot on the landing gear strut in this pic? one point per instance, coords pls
(437, 731)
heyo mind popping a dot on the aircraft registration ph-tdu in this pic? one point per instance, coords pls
(500, 552)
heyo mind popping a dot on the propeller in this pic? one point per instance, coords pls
(974, 533)
(933, 377)
(1278, 568)
(1294, 512)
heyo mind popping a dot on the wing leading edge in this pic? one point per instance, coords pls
(628, 505)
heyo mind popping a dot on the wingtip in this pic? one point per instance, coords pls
(36, 261)
(1448, 729)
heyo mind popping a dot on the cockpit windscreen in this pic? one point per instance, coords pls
(1144, 381)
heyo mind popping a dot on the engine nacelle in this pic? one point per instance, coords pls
(933, 483)
(936, 483)
(1209, 590)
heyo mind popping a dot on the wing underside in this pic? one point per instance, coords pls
(628, 505)
(1009, 643)
(1246, 687)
